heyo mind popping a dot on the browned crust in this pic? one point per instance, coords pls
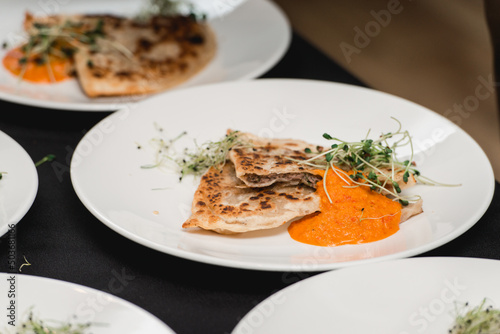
(266, 161)
(411, 210)
(143, 75)
(139, 58)
(220, 204)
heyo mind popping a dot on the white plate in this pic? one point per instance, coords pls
(251, 39)
(107, 177)
(407, 296)
(56, 300)
(18, 187)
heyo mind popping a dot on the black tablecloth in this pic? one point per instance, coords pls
(62, 240)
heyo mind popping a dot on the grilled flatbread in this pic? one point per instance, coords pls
(411, 210)
(267, 161)
(223, 204)
(137, 57)
(398, 177)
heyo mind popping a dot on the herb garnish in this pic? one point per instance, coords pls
(170, 8)
(197, 160)
(26, 263)
(33, 325)
(47, 158)
(371, 162)
(63, 41)
(480, 319)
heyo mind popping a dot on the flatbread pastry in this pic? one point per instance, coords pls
(222, 203)
(267, 161)
(136, 57)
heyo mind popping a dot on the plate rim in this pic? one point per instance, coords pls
(31, 193)
(366, 269)
(75, 286)
(287, 267)
(277, 55)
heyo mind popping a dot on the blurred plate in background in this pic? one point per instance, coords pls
(250, 40)
(19, 184)
(409, 296)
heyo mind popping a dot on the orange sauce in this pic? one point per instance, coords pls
(39, 73)
(349, 218)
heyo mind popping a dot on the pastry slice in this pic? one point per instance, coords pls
(222, 203)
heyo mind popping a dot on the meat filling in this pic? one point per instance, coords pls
(290, 178)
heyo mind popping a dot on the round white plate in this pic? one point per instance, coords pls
(407, 296)
(18, 187)
(107, 176)
(56, 300)
(251, 39)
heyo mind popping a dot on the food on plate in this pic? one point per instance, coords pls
(350, 214)
(265, 161)
(361, 192)
(32, 324)
(113, 55)
(475, 320)
(49, 69)
(344, 193)
(224, 204)
(195, 161)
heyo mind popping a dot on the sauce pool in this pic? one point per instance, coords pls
(32, 71)
(356, 215)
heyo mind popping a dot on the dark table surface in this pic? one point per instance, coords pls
(63, 240)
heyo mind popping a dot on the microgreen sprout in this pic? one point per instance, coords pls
(170, 8)
(372, 163)
(197, 160)
(47, 158)
(479, 319)
(26, 263)
(62, 41)
(34, 325)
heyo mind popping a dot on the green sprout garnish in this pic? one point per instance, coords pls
(47, 158)
(62, 41)
(26, 263)
(58, 40)
(479, 319)
(33, 325)
(198, 160)
(371, 162)
(170, 8)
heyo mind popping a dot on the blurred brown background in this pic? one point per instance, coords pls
(435, 53)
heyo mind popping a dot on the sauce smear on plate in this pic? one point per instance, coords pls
(33, 69)
(356, 215)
